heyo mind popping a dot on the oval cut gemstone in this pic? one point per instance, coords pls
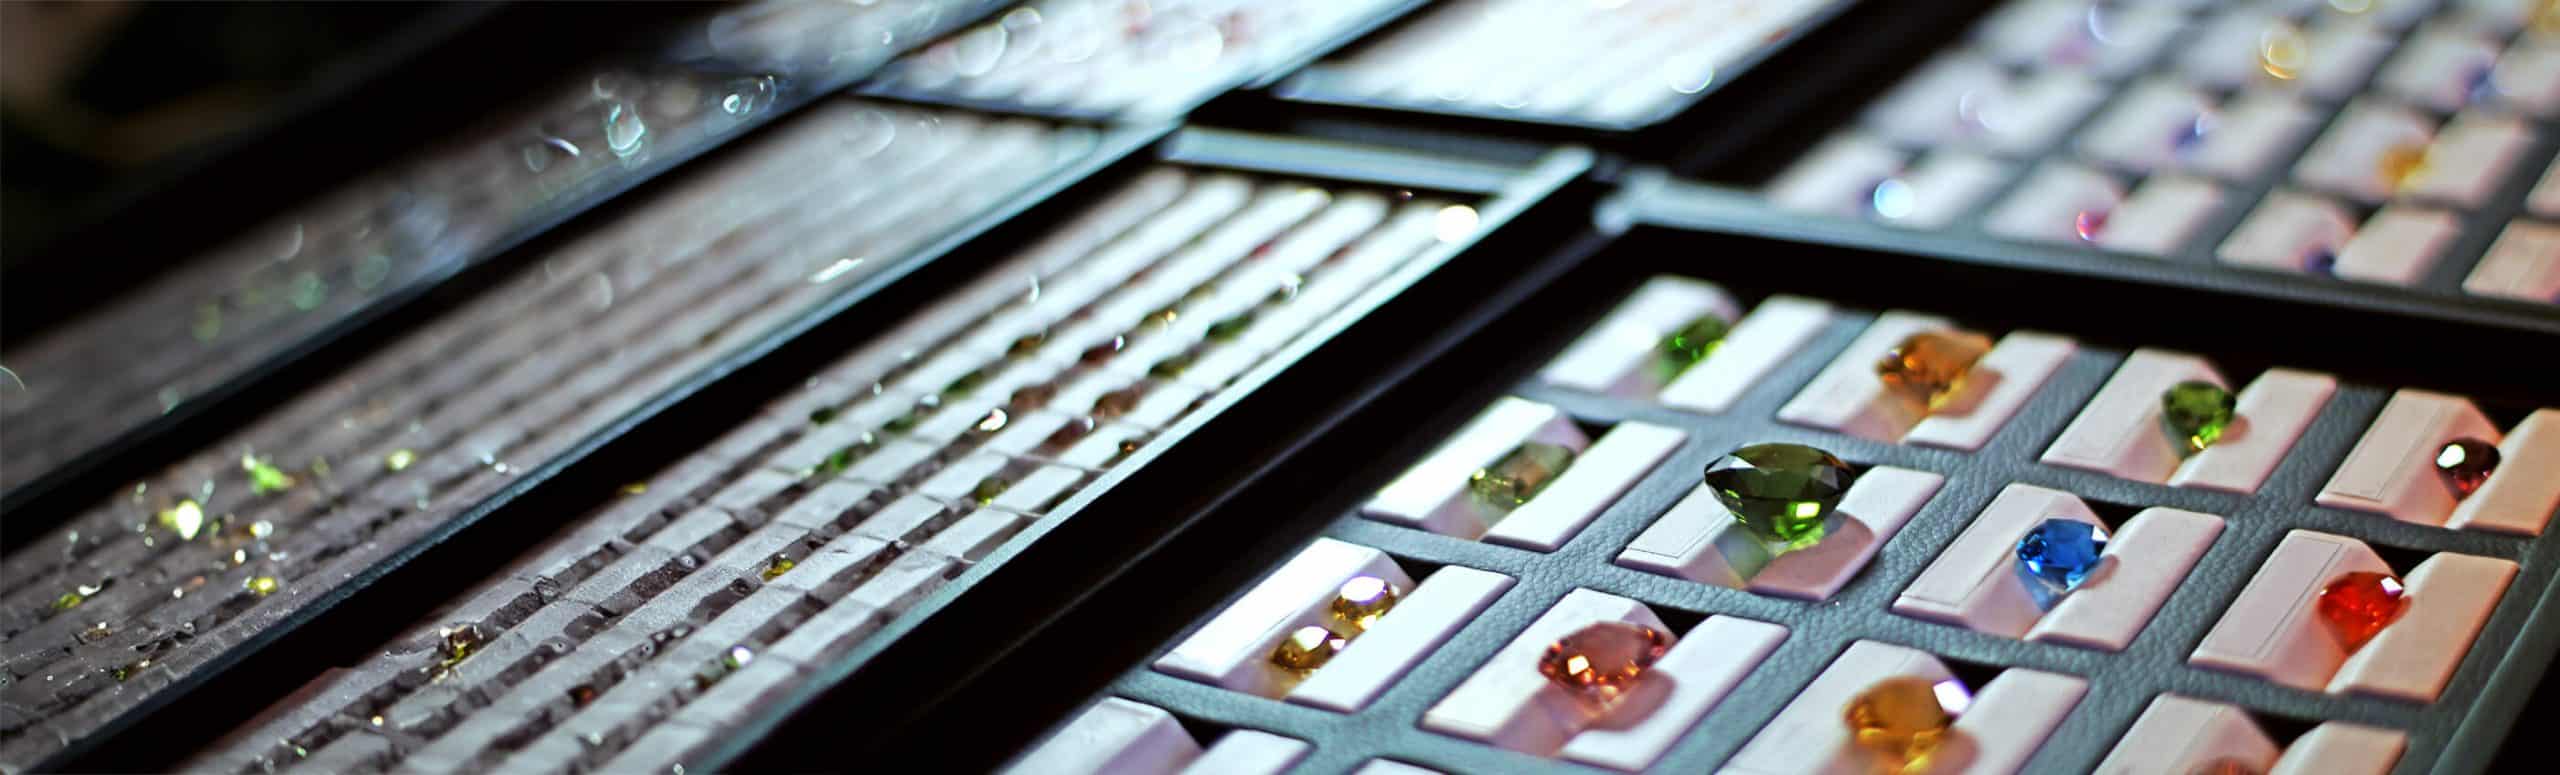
(2358, 605)
(1929, 367)
(1904, 718)
(2195, 413)
(1306, 649)
(2466, 464)
(1781, 492)
(2058, 554)
(1363, 599)
(1691, 343)
(1519, 475)
(1599, 663)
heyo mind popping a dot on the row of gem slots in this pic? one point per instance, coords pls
(2436, 106)
(1336, 625)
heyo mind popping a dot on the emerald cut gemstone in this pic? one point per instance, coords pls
(1519, 474)
(1690, 344)
(1781, 492)
(2195, 413)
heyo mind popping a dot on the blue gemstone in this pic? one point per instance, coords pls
(2059, 554)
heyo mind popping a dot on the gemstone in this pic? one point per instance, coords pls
(635, 488)
(2195, 413)
(1363, 599)
(582, 694)
(184, 519)
(399, 460)
(2321, 261)
(987, 489)
(1781, 492)
(1904, 718)
(1119, 402)
(1930, 366)
(2088, 223)
(2466, 463)
(1029, 397)
(1067, 435)
(987, 424)
(1162, 318)
(1174, 365)
(1601, 662)
(264, 477)
(2401, 165)
(1028, 345)
(2282, 51)
(1101, 353)
(1306, 649)
(1691, 343)
(2358, 605)
(822, 415)
(460, 642)
(261, 586)
(965, 383)
(1232, 327)
(1519, 474)
(2225, 766)
(2058, 554)
(906, 422)
(778, 565)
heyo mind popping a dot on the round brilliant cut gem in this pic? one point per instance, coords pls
(1781, 492)
(2358, 605)
(2195, 413)
(2058, 554)
(1905, 718)
(1306, 649)
(1363, 599)
(1930, 367)
(2466, 464)
(1518, 475)
(1601, 662)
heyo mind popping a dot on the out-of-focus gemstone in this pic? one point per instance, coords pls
(261, 586)
(1689, 344)
(776, 566)
(399, 460)
(2401, 165)
(264, 477)
(1519, 474)
(185, 519)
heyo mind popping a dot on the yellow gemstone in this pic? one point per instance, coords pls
(2402, 165)
(1363, 599)
(780, 564)
(1307, 649)
(461, 641)
(1901, 719)
(635, 488)
(399, 459)
(186, 519)
(1929, 367)
(2282, 51)
(69, 600)
(261, 586)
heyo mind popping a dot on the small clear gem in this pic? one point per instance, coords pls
(1781, 492)
(2466, 464)
(1599, 663)
(2195, 413)
(2358, 605)
(1519, 475)
(2058, 554)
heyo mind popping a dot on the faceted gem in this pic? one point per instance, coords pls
(2401, 165)
(461, 641)
(1232, 327)
(1307, 649)
(2466, 464)
(1929, 367)
(1363, 599)
(987, 424)
(264, 477)
(1600, 663)
(1904, 718)
(778, 565)
(737, 657)
(1518, 475)
(2088, 223)
(582, 694)
(1691, 343)
(2321, 261)
(1162, 318)
(184, 519)
(261, 586)
(1781, 492)
(2358, 605)
(2195, 413)
(2057, 554)
(399, 460)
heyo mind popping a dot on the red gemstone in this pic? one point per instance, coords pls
(2088, 223)
(2360, 604)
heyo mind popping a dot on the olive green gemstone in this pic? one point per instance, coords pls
(2196, 413)
(822, 415)
(964, 383)
(1690, 344)
(987, 490)
(1781, 492)
(1174, 365)
(1519, 474)
(1231, 327)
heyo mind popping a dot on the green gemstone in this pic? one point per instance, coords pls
(1173, 366)
(964, 383)
(987, 490)
(1519, 474)
(1781, 492)
(822, 415)
(1231, 327)
(265, 477)
(2196, 413)
(1690, 344)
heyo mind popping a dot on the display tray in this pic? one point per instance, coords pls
(417, 590)
(2453, 718)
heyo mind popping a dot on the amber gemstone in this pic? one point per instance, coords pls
(2196, 413)
(1028, 345)
(1519, 475)
(1601, 662)
(1306, 649)
(2401, 165)
(1067, 435)
(2358, 605)
(1902, 719)
(1101, 353)
(1929, 367)
(2466, 464)
(1363, 599)
(1029, 397)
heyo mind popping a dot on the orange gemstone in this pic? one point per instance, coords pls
(2360, 604)
(1601, 662)
(2401, 164)
(2225, 766)
(1929, 367)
